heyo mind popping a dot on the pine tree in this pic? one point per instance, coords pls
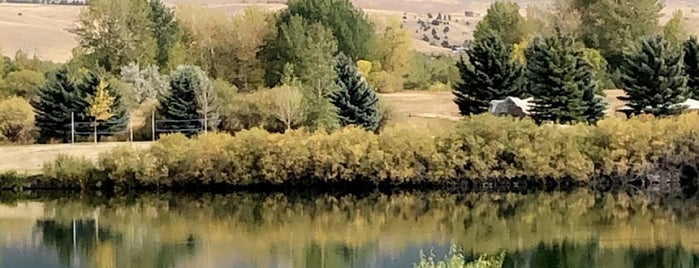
(356, 102)
(595, 105)
(190, 97)
(558, 77)
(53, 107)
(691, 65)
(653, 77)
(490, 74)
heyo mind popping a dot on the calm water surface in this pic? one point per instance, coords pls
(577, 229)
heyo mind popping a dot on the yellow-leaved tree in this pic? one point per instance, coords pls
(100, 105)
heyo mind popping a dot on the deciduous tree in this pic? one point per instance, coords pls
(504, 19)
(287, 105)
(350, 26)
(614, 25)
(310, 47)
(24, 83)
(16, 120)
(100, 105)
(114, 33)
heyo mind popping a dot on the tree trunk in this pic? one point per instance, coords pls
(95, 131)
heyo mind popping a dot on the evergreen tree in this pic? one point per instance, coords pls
(191, 96)
(165, 31)
(653, 77)
(356, 102)
(691, 65)
(595, 105)
(490, 74)
(558, 77)
(54, 105)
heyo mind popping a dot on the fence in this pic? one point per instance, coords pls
(111, 129)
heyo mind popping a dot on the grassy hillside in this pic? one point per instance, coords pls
(42, 29)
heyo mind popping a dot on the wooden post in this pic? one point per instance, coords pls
(95, 130)
(72, 128)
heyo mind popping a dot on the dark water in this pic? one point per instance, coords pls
(577, 229)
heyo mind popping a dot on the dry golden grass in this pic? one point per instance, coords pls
(30, 158)
(42, 29)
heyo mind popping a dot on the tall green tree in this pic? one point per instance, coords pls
(595, 104)
(489, 74)
(504, 19)
(54, 105)
(558, 77)
(676, 29)
(111, 34)
(165, 30)
(356, 102)
(653, 77)
(600, 68)
(351, 27)
(614, 25)
(24, 83)
(691, 65)
(190, 102)
(310, 47)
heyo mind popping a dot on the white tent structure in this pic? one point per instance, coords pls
(511, 106)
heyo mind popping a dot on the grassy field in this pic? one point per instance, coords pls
(30, 158)
(43, 29)
(411, 110)
(431, 111)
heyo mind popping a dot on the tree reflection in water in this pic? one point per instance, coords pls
(574, 229)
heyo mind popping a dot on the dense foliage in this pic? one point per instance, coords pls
(356, 102)
(691, 65)
(488, 73)
(653, 77)
(482, 147)
(191, 104)
(504, 19)
(57, 100)
(561, 82)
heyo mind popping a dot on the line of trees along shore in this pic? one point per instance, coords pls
(200, 68)
(315, 67)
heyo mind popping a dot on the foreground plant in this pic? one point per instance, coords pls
(455, 259)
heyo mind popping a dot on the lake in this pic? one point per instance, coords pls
(555, 229)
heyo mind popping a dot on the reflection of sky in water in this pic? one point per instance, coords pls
(569, 230)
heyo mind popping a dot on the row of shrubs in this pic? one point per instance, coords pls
(481, 147)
